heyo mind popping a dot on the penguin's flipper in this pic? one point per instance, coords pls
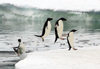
(15, 49)
(69, 45)
(56, 34)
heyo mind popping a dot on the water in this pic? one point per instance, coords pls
(8, 59)
(18, 22)
(14, 18)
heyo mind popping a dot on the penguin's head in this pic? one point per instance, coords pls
(49, 19)
(63, 19)
(19, 40)
(73, 30)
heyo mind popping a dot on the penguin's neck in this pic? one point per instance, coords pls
(49, 22)
(20, 44)
(60, 22)
(71, 34)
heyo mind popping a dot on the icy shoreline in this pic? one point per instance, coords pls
(83, 58)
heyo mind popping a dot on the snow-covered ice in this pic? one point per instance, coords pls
(83, 58)
(47, 55)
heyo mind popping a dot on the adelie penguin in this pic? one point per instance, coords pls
(20, 50)
(59, 28)
(46, 29)
(70, 39)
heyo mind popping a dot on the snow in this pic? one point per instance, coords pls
(83, 58)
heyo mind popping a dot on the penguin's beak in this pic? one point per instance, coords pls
(75, 30)
(51, 19)
(64, 19)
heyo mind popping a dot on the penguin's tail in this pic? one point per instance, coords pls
(38, 35)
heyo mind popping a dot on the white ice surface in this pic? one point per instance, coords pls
(83, 58)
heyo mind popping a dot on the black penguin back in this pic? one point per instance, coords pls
(69, 45)
(56, 32)
(44, 27)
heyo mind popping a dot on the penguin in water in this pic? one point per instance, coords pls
(70, 39)
(59, 28)
(20, 50)
(46, 29)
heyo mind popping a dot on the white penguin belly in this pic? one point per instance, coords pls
(47, 30)
(71, 39)
(22, 48)
(22, 52)
(60, 28)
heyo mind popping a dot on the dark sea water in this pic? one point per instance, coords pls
(8, 59)
(19, 22)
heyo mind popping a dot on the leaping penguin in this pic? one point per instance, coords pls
(70, 39)
(59, 28)
(46, 29)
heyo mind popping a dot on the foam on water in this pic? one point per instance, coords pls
(33, 43)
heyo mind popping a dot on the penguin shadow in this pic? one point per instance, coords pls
(62, 45)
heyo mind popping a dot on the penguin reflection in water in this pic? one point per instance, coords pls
(46, 29)
(20, 49)
(70, 39)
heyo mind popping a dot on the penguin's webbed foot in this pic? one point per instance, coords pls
(43, 39)
(74, 49)
(62, 38)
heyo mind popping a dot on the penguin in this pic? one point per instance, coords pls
(20, 49)
(59, 28)
(46, 29)
(70, 39)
